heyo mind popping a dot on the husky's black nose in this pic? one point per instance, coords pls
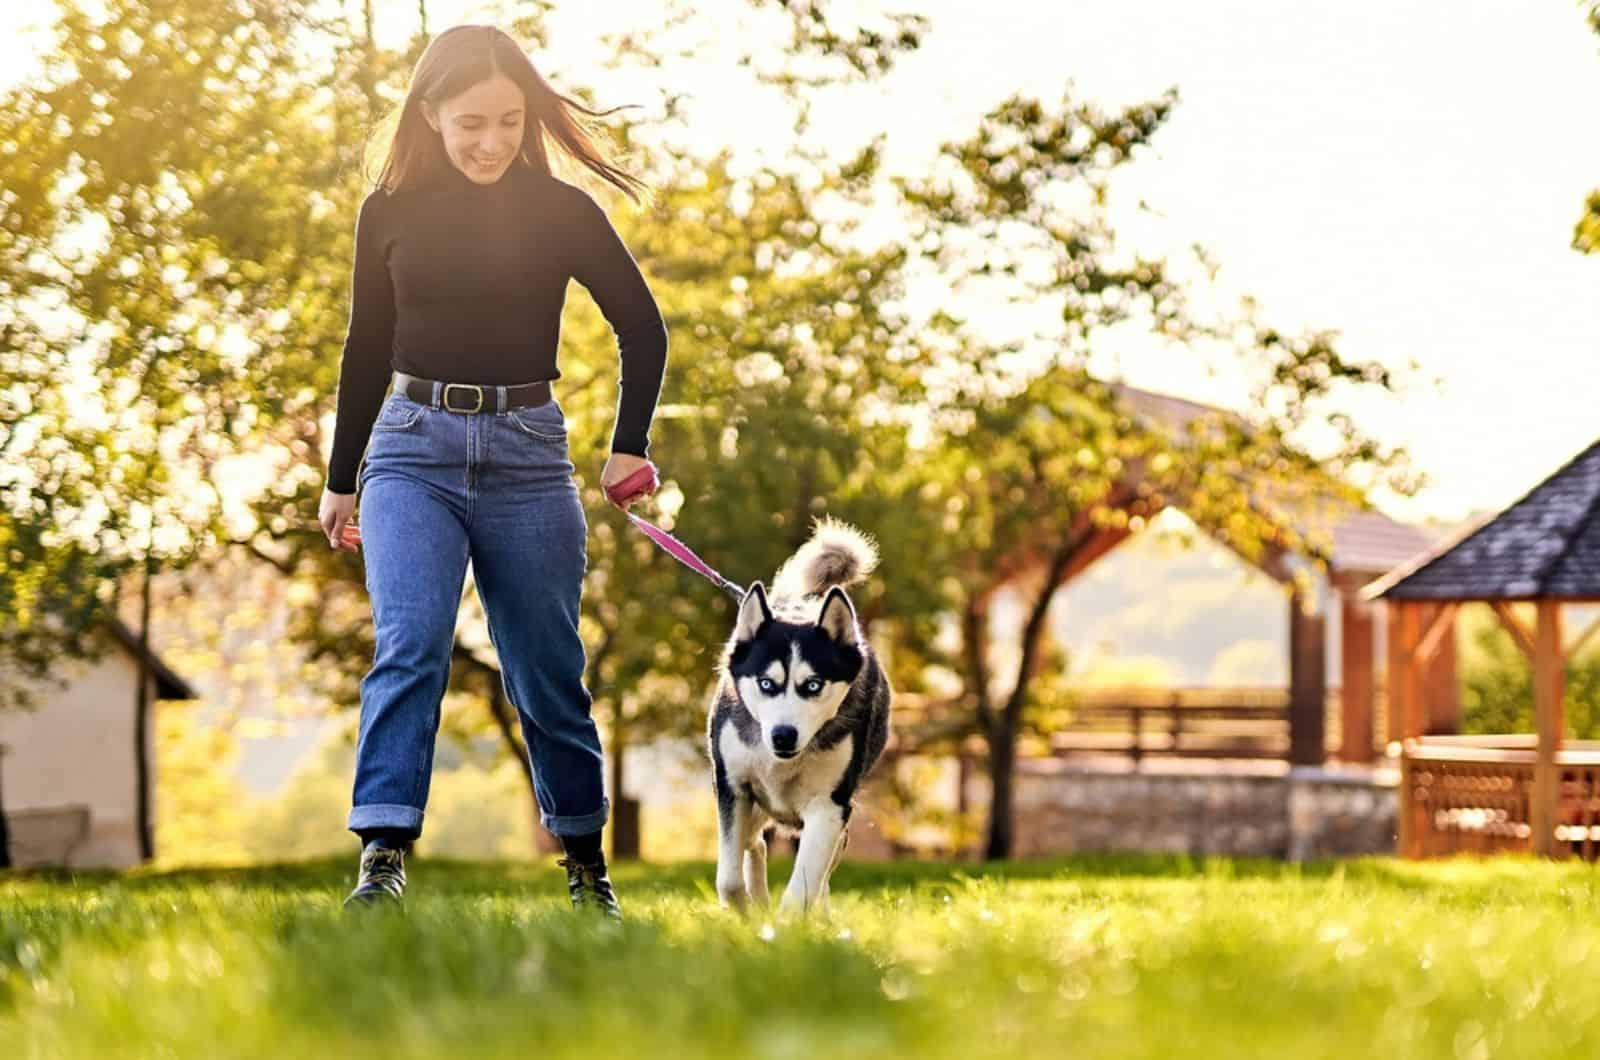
(784, 738)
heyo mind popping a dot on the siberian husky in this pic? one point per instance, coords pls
(800, 714)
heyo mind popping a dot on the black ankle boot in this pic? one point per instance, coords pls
(383, 876)
(590, 887)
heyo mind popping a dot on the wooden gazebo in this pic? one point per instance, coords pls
(1501, 793)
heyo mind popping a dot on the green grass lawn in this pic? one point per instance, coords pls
(1116, 957)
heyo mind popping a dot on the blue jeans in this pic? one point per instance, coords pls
(438, 488)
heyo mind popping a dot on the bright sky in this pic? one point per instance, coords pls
(1407, 174)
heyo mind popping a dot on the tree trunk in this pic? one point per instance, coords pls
(141, 726)
(625, 831)
(5, 835)
(367, 71)
(1002, 727)
(1002, 774)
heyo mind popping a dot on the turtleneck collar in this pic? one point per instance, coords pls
(517, 172)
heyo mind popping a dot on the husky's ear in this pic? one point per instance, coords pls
(838, 617)
(753, 611)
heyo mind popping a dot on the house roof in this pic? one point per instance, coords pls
(1370, 542)
(169, 685)
(1544, 546)
(1361, 540)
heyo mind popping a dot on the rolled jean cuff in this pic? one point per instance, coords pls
(385, 815)
(581, 825)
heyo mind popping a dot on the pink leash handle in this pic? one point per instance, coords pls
(639, 483)
(645, 481)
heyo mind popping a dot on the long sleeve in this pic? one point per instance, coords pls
(364, 370)
(603, 265)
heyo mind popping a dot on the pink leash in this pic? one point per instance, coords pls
(645, 481)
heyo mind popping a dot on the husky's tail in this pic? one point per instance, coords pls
(836, 554)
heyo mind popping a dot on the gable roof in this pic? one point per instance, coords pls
(1544, 546)
(168, 684)
(1360, 540)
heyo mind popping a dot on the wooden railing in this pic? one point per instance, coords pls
(1472, 795)
(1189, 722)
(1241, 722)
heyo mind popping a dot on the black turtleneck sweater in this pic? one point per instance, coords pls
(464, 282)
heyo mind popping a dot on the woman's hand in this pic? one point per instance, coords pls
(618, 467)
(334, 514)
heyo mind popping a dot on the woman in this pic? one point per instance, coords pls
(462, 257)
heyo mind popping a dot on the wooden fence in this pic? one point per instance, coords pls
(1243, 722)
(1181, 722)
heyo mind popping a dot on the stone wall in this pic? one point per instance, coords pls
(1065, 809)
(1338, 813)
(1174, 806)
(1224, 808)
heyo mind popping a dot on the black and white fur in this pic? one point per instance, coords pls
(800, 714)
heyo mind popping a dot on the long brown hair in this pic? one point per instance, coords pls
(453, 62)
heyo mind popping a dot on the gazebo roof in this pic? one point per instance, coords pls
(1545, 546)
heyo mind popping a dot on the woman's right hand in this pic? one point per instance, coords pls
(334, 514)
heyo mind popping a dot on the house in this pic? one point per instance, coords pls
(69, 768)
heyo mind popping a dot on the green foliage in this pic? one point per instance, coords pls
(1586, 233)
(1497, 682)
(1114, 956)
(160, 273)
(201, 808)
(49, 590)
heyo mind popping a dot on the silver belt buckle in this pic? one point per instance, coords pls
(463, 386)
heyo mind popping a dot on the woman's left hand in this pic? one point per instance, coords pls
(618, 467)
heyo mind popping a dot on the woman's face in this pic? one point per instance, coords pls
(481, 127)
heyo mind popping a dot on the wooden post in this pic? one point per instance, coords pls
(1441, 688)
(1308, 685)
(1355, 679)
(1405, 675)
(1416, 705)
(1406, 841)
(1548, 691)
(1395, 658)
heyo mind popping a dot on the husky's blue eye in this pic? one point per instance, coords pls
(813, 686)
(765, 684)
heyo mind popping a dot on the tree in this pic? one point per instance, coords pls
(145, 276)
(1036, 458)
(123, 255)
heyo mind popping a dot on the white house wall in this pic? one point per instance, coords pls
(76, 748)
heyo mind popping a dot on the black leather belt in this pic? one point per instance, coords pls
(471, 397)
